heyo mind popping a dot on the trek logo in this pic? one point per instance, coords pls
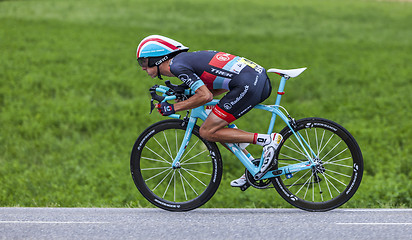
(220, 72)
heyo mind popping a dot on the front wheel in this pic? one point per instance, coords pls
(182, 188)
(339, 168)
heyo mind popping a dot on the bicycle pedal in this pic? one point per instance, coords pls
(244, 187)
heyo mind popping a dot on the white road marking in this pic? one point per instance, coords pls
(47, 222)
(379, 210)
(377, 223)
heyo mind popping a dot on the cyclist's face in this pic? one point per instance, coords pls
(151, 71)
(144, 63)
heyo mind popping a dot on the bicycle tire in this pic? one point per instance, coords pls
(320, 189)
(181, 189)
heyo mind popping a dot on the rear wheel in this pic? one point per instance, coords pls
(183, 188)
(337, 175)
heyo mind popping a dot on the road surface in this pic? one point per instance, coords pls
(203, 223)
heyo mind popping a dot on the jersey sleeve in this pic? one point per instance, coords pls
(187, 75)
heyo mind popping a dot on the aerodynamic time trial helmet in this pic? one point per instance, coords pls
(155, 49)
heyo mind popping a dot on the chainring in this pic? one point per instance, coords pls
(259, 184)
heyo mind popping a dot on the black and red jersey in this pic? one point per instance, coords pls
(211, 68)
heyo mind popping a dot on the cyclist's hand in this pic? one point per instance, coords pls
(165, 108)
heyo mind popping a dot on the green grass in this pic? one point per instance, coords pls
(72, 101)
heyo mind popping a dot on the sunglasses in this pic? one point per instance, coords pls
(147, 62)
(143, 62)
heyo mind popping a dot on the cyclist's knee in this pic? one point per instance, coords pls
(210, 127)
(205, 133)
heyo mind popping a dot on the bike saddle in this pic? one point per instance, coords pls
(291, 73)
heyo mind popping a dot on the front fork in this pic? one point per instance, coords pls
(190, 123)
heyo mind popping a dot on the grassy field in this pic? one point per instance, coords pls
(72, 101)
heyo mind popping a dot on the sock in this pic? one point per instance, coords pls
(261, 139)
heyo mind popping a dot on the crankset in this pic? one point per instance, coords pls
(259, 184)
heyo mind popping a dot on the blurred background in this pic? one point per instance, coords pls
(73, 99)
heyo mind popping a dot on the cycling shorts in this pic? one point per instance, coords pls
(246, 90)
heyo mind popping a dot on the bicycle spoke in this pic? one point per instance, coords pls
(171, 170)
(192, 157)
(195, 163)
(167, 143)
(339, 160)
(291, 158)
(303, 185)
(320, 190)
(339, 173)
(317, 143)
(194, 176)
(298, 179)
(190, 185)
(321, 142)
(337, 164)
(313, 188)
(326, 144)
(196, 171)
(183, 185)
(334, 178)
(307, 188)
(177, 144)
(300, 151)
(336, 155)
(161, 145)
(307, 136)
(284, 163)
(157, 154)
(154, 160)
(327, 185)
(331, 183)
(332, 149)
(181, 159)
(157, 175)
(167, 188)
(156, 168)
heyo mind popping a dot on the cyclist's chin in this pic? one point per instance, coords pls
(152, 75)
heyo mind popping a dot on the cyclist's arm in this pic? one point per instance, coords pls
(202, 96)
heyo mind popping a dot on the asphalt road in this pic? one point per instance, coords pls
(123, 223)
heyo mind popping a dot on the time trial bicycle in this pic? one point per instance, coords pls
(319, 164)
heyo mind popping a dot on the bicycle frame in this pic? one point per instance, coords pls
(200, 113)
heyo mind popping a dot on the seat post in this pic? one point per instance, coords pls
(281, 89)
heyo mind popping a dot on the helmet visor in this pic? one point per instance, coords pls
(143, 62)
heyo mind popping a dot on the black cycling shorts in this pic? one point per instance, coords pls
(247, 90)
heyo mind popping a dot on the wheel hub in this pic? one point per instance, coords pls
(319, 168)
(177, 166)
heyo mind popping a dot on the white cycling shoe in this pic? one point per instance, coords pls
(269, 151)
(239, 182)
(268, 156)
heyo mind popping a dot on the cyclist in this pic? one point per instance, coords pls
(208, 74)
